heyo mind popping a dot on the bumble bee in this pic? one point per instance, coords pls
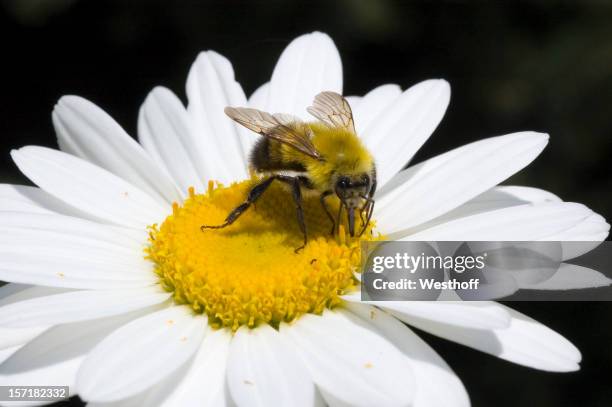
(326, 156)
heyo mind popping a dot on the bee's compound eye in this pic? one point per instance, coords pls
(343, 183)
(365, 179)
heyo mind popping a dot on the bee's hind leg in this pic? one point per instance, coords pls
(254, 194)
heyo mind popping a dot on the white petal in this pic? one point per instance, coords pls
(581, 237)
(351, 363)
(518, 223)
(374, 103)
(152, 397)
(54, 357)
(22, 292)
(11, 289)
(527, 194)
(79, 254)
(397, 133)
(78, 306)
(7, 352)
(259, 98)
(85, 130)
(204, 381)
(56, 265)
(210, 88)
(478, 315)
(264, 371)
(62, 274)
(200, 383)
(165, 131)
(118, 238)
(525, 342)
(310, 64)
(594, 228)
(22, 198)
(353, 101)
(447, 181)
(135, 401)
(66, 341)
(436, 383)
(570, 277)
(58, 374)
(478, 148)
(11, 293)
(495, 198)
(140, 354)
(10, 337)
(88, 187)
(14, 293)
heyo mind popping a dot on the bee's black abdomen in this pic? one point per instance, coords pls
(259, 154)
(265, 158)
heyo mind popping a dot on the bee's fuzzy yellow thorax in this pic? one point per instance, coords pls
(343, 153)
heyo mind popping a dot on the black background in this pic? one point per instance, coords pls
(541, 65)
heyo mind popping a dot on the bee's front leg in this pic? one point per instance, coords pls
(361, 216)
(340, 207)
(368, 207)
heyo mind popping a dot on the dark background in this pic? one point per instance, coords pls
(540, 65)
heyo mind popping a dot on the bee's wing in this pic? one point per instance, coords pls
(280, 127)
(333, 109)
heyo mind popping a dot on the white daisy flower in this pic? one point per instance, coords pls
(115, 291)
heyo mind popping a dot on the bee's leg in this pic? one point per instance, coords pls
(326, 209)
(369, 207)
(294, 182)
(297, 197)
(363, 208)
(254, 194)
(363, 224)
(339, 216)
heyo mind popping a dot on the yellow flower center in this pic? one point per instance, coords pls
(248, 273)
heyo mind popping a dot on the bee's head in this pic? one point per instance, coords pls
(351, 190)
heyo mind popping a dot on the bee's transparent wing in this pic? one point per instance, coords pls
(280, 127)
(333, 109)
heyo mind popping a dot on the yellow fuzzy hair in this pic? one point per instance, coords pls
(342, 151)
